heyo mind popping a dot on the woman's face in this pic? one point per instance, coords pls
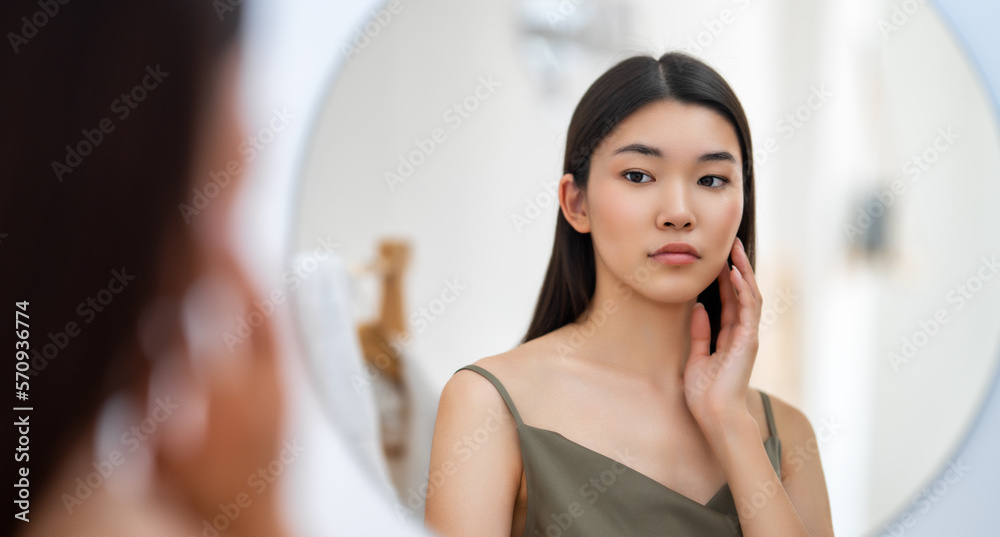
(670, 172)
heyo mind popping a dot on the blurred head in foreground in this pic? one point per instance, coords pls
(146, 418)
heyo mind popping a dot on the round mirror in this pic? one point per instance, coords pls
(432, 172)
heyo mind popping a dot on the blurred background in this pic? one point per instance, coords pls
(410, 196)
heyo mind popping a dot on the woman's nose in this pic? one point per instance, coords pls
(675, 207)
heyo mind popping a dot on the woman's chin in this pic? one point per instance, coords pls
(676, 292)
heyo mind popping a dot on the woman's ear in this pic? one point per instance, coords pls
(573, 201)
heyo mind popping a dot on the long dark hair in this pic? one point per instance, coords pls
(91, 189)
(622, 90)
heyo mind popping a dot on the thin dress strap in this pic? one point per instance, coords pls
(767, 412)
(500, 388)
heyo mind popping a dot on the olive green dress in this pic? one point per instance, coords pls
(575, 491)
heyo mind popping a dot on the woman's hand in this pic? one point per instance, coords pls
(227, 462)
(715, 386)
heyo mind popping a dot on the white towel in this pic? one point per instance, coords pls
(335, 363)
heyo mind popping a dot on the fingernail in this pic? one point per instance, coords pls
(740, 242)
(737, 271)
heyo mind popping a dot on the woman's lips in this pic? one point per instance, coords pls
(675, 258)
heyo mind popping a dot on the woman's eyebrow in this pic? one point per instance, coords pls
(644, 149)
(717, 156)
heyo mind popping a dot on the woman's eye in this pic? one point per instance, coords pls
(722, 180)
(635, 177)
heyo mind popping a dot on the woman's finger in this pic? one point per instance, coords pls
(701, 334)
(730, 309)
(745, 334)
(727, 294)
(742, 262)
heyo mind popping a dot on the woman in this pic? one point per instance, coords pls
(142, 421)
(626, 410)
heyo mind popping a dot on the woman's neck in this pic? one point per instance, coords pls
(625, 330)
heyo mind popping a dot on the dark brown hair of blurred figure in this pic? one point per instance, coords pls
(622, 90)
(65, 234)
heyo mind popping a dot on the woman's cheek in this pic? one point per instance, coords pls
(733, 214)
(611, 236)
(725, 223)
(616, 219)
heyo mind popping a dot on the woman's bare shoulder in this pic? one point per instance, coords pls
(801, 469)
(519, 370)
(793, 427)
(792, 424)
(523, 368)
(475, 441)
(521, 363)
